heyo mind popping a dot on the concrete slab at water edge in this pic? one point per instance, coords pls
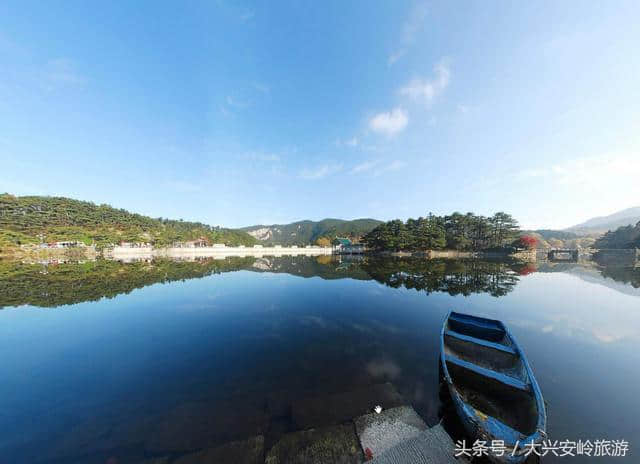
(431, 446)
(343, 407)
(329, 445)
(443, 439)
(249, 451)
(380, 432)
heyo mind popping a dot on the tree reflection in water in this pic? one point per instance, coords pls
(455, 277)
(627, 275)
(54, 284)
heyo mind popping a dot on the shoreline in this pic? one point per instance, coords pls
(455, 254)
(219, 252)
(629, 256)
(126, 253)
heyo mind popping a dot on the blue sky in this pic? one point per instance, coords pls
(243, 113)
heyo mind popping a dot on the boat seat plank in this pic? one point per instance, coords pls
(476, 321)
(506, 379)
(477, 327)
(480, 341)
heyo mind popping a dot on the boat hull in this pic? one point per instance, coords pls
(492, 386)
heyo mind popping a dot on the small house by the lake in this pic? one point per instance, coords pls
(199, 243)
(64, 244)
(346, 246)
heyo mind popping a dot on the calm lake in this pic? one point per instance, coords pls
(121, 362)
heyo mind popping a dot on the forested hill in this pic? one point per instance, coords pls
(30, 219)
(311, 232)
(622, 237)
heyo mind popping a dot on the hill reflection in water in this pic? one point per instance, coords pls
(55, 284)
(208, 352)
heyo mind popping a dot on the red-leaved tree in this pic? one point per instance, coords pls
(528, 242)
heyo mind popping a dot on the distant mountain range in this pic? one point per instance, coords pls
(306, 232)
(602, 224)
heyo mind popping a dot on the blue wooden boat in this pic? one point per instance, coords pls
(491, 384)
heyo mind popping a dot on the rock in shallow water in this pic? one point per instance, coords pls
(249, 451)
(193, 426)
(342, 407)
(329, 445)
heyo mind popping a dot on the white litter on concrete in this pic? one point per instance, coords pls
(380, 432)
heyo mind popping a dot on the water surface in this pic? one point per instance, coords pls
(108, 360)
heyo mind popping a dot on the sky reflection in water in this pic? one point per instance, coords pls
(195, 362)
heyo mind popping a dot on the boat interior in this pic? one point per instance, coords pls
(488, 372)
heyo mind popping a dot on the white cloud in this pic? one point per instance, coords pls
(530, 173)
(395, 56)
(236, 103)
(261, 156)
(410, 30)
(395, 165)
(385, 368)
(604, 172)
(246, 96)
(597, 172)
(224, 111)
(426, 90)
(320, 171)
(365, 166)
(389, 123)
(415, 22)
(377, 168)
(352, 142)
(603, 184)
(261, 87)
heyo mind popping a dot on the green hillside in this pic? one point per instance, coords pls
(308, 232)
(32, 219)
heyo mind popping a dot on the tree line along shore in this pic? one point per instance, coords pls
(34, 222)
